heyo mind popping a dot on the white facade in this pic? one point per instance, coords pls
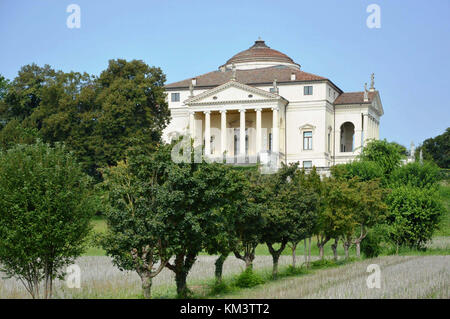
(319, 125)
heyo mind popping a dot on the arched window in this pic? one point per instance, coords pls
(347, 136)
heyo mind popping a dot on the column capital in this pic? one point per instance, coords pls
(275, 108)
(242, 110)
(223, 111)
(207, 112)
(258, 109)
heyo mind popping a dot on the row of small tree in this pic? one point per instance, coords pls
(162, 214)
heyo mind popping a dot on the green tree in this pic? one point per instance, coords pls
(387, 155)
(413, 215)
(15, 133)
(370, 209)
(46, 203)
(416, 174)
(249, 217)
(137, 237)
(192, 195)
(437, 149)
(365, 170)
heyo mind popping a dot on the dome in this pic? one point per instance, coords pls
(259, 55)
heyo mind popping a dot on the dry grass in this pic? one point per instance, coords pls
(101, 279)
(401, 277)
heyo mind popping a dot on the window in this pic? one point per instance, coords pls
(307, 90)
(175, 97)
(307, 140)
(307, 164)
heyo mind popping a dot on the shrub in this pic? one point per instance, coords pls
(371, 246)
(416, 175)
(413, 216)
(248, 279)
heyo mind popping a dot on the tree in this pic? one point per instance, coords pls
(437, 149)
(192, 195)
(370, 209)
(364, 170)
(220, 238)
(416, 174)
(248, 220)
(413, 215)
(137, 237)
(46, 203)
(387, 155)
(15, 133)
(337, 219)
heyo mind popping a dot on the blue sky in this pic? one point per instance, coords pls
(410, 53)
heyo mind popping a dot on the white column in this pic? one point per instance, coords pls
(191, 124)
(258, 130)
(207, 133)
(366, 128)
(223, 131)
(242, 133)
(275, 138)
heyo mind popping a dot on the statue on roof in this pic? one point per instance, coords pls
(372, 82)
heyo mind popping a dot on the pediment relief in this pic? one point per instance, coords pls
(230, 92)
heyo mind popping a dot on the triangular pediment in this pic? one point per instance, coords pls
(376, 104)
(232, 92)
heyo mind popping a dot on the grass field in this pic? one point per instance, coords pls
(401, 277)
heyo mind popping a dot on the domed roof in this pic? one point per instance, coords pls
(261, 53)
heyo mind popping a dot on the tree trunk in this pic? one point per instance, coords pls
(309, 252)
(346, 247)
(294, 247)
(146, 281)
(182, 266)
(219, 267)
(334, 248)
(320, 251)
(248, 262)
(275, 257)
(358, 248)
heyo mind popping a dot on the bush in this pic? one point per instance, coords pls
(413, 216)
(219, 287)
(416, 175)
(248, 279)
(371, 246)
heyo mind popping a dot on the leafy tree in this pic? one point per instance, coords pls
(413, 215)
(370, 209)
(249, 217)
(192, 195)
(415, 174)
(387, 155)
(25, 91)
(437, 149)
(46, 203)
(15, 133)
(137, 237)
(220, 238)
(337, 219)
(364, 170)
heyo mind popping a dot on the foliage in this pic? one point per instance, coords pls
(386, 154)
(371, 246)
(414, 215)
(416, 174)
(137, 237)
(15, 133)
(437, 149)
(248, 279)
(364, 170)
(99, 118)
(46, 203)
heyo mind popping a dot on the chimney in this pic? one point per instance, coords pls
(194, 81)
(292, 76)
